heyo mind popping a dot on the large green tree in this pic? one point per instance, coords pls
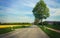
(40, 11)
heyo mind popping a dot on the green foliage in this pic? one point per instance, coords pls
(50, 33)
(57, 27)
(15, 24)
(5, 30)
(41, 11)
(44, 23)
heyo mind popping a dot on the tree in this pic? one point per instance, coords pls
(40, 11)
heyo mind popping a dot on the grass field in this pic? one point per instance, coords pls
(51, 33)
(54, 26)
(8, 28)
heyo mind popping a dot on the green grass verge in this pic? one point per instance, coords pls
(54, 26)
(16, 27)
(5, 30)
(51, 33)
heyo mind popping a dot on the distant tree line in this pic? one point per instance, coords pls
(15, 23)
(56, 23)
(50, 23)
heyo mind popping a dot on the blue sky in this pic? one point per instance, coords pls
(21, 10)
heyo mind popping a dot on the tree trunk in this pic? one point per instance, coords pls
(36, 21)
(41, 22)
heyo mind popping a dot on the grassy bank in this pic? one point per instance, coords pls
(51, 33)
(54, 26)
(5, 30)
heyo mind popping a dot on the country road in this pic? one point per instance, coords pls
(31, 32)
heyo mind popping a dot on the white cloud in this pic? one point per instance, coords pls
(17, 12)
(15, 7)
(9, 19)
(30, 3)
(52, 11)
(54, 14)
(50, 3)
(57, 12)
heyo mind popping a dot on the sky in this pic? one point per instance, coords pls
(21, 10)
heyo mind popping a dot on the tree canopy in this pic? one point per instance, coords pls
(41, 11)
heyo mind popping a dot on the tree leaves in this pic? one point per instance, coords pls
(41, 11)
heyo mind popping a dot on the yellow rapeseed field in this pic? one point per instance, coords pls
(6, 26)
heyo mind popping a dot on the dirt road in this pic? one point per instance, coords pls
(30, 32)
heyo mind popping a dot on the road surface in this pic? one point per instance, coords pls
(31, 32)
